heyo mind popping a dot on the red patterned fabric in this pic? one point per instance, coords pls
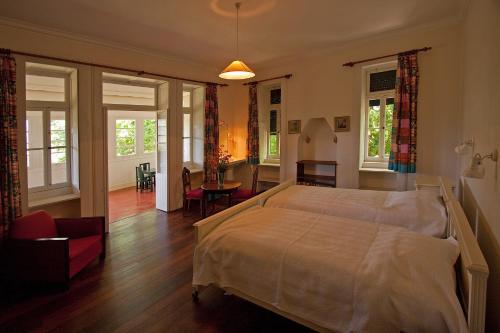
(403, 157)
(38, 224)
(253, 126)
(211, 134)
(10, 187)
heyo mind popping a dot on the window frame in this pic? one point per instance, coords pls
(135, 137)
(272, 107)
(381, 161)
(188, 110)
(46, 107)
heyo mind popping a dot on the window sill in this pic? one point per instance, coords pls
(376, 170)
(52, 200)
(271, 163)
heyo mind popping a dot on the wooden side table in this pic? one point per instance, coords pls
(228, 188)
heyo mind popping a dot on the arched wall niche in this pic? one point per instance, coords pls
(317, 141)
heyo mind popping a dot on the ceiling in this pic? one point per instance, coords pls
(204, 30)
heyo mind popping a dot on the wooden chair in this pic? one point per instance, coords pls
(142, 181)
(188, 193)
(147, 167)
(245, 194)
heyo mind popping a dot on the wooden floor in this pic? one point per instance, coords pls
(128, 202)
(144, 285)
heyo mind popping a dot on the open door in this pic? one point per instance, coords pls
(161, 158)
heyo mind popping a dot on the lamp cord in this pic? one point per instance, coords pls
(237, 5)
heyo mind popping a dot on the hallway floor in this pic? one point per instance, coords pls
(128, 202)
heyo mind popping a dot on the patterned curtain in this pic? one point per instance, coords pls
(10, 188)
(403, 155)
(211, 134)
(253, 126)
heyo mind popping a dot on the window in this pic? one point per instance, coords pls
(187, 127)
(149, 126)
(47, 130)
(378, 112)
(273, 126)
(128, 94)
(125, 137)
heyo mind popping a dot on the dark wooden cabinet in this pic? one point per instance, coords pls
(304, 178)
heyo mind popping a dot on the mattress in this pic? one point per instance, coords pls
(341, 274)
(420, 211)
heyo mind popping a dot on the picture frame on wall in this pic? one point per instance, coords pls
(294, 127)
(342, 124)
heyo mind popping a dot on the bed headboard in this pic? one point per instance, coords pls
(473, 271)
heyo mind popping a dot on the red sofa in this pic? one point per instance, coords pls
(42, 249)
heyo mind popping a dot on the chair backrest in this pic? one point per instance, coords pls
(145, 166)
(38, 224)
(139, 173)
(186, 180)
(255, 178)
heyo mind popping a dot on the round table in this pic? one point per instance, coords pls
(228, 188)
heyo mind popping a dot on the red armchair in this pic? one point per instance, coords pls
(43, 249)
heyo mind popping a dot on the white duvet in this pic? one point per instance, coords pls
(341, 274)
(420, 211)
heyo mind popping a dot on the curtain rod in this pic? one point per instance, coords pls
(286, 76)
(138, 72)
(351, 64)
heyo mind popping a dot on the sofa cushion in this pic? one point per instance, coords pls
(38, 224)
(82, 251)
(195, 194)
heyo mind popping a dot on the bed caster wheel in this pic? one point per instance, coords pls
(194, 296)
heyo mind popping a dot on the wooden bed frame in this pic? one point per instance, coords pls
(472, 270)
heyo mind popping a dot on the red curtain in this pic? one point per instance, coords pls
(403, 157)
(253, 126)
(10, 188)
(211, 151)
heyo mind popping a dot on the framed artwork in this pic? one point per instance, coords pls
(342, 124)
(294, 127)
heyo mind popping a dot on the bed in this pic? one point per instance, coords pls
(421, 211)
(257, 253)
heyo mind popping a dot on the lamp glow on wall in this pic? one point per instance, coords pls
(237, 70)
(476, 168)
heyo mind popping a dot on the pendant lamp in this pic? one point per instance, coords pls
(237, 70)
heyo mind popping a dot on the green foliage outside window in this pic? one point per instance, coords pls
(149, 136)
(125, 137)
(389, 108)
(58, 139)
(273, 144)
(373, 130)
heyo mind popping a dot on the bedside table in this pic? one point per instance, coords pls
(428, 182)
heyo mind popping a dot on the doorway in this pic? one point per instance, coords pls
(131, 111)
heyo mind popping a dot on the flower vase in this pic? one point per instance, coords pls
(220, 178)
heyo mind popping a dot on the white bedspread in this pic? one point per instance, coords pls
(420, 211)
(344, 275)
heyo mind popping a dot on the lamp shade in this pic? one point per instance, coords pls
(476, 168)
(237, 70)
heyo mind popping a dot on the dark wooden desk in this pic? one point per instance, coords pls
(312, 179)
(228, 188)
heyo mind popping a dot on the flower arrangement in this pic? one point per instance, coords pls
(223, 159)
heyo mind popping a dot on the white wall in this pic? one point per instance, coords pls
(481, 120)
(121, 169)
(322, 88)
